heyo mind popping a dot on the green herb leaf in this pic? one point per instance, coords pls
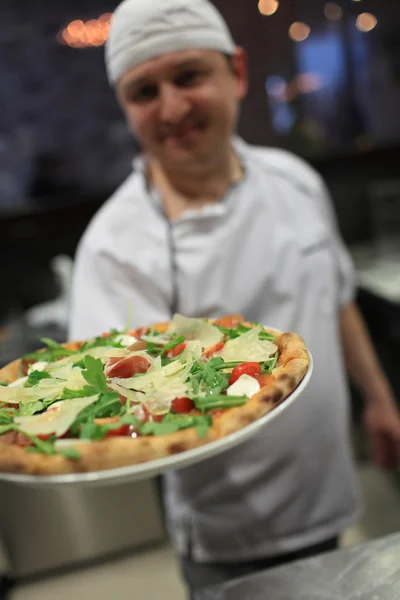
(85, 392)
(269, 365)
(175, 342)
(94, 431)
(241, 329)
(80, 364)
(36, 376)
(173, 423)
(70, 453)
(53, 352)
(103, 341)
(108, 405)
(219, 401)
(5, 417)
(43, 446)
(94, 374)
(4, 383)
(30, 408)
(153, 349)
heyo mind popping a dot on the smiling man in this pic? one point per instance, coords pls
(208, 225)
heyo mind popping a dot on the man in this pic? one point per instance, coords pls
(207, 225)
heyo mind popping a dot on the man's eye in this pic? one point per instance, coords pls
(187, 78)
(149, 92)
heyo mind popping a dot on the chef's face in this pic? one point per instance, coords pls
(183, 107)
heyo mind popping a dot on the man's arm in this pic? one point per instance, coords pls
(381, 416)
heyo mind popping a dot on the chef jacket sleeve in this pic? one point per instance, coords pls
(346, 276)
(108, 294)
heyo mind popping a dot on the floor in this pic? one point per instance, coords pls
(147, 573)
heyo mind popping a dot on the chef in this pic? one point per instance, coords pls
(207, 225)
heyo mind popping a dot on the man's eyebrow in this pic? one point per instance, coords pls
(134, 84)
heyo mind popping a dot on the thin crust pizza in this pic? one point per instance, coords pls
(127, 398)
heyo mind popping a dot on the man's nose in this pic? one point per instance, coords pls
(174, 107)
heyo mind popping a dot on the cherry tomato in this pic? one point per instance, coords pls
(176, 351)
(156, 418)
(123, 430)
(250, 368)
(182, 405)
(208, 353)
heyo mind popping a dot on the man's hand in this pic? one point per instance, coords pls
(382, 423)
(381, 414)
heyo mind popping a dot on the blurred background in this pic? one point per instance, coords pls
(324, 83)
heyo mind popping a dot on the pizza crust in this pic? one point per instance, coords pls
(117, 452)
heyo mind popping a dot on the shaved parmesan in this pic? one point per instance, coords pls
(244, 386)
(192, 351)
(18, 382)
(196, 329)
(37, 366)
(157, 388)
(14, 394)
(57, 419)
(160, 340)
(248, 348)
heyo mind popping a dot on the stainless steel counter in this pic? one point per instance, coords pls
(367, 572)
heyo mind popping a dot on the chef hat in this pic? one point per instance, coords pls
(145, 29)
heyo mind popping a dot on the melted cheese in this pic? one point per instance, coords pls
(244, 386)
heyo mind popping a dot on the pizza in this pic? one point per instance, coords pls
(125, 398)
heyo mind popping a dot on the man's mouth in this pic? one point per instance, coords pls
(184, 131)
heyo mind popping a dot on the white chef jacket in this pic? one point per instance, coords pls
(271, 251)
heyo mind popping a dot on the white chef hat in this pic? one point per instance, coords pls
(145, 29)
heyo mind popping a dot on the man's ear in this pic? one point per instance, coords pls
(239, 67)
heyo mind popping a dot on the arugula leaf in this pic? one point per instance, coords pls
(108, 405)
(240, 329)
(219, 401)
(42, 446)
(30, 408)
(103, 341)
(6, 428)
(173, 423)
(94, 374)
(80, 364)
(53, 352)
(215, 381)
(175, 342)
(35, 376)
(70, 453)
(153, 333)
(269, 365)
(94, 431)
(86, 391)
(5, 417)
(154, 349)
